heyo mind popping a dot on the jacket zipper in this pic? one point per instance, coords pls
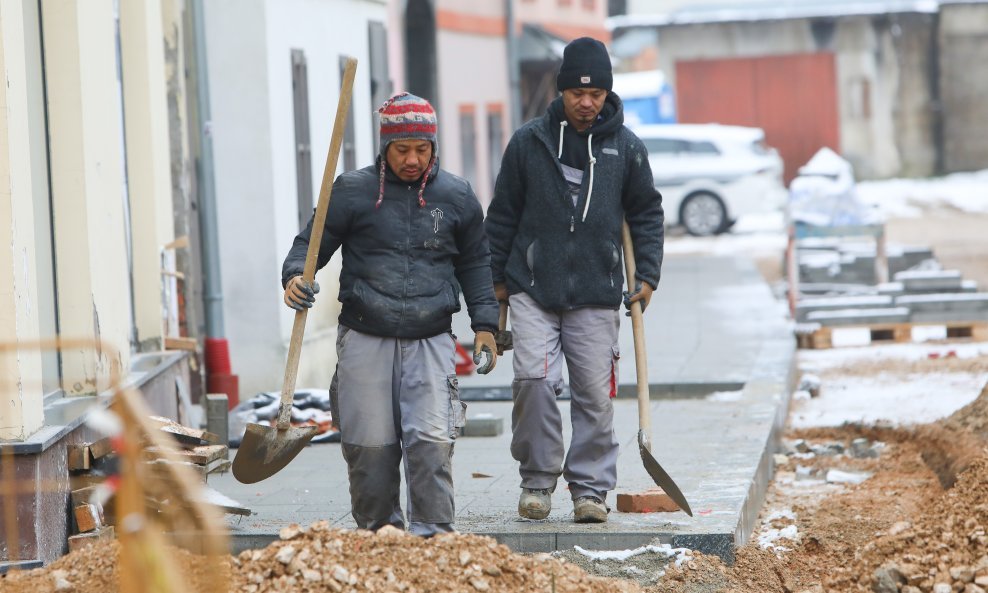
(408, 255)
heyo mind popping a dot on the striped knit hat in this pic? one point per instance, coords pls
(407, 117)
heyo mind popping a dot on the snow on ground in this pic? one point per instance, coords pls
(817, 361)
(908, 198)
(896, 396)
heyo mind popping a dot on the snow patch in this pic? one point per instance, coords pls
(681, 554)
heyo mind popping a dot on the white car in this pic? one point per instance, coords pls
(711, 174)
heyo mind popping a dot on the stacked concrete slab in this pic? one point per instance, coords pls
(838, 287)
(830, 261)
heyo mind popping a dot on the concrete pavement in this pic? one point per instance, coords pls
(721, 359)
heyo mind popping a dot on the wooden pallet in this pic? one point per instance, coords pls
(816, 337)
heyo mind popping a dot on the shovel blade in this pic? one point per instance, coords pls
(660, 477)
(265, 450)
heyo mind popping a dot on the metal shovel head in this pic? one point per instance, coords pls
(659, 475)
(264, 450)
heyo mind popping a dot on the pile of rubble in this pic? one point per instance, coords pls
(321, 559)
(94, 465)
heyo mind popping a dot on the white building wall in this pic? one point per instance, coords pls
(479, 87)
(249, 45)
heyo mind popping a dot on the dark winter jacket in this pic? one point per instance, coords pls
(400, 259)
(541, 243)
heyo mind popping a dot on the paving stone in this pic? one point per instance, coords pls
(483, 425)
(951, 301)
(860, 316)
(808, 305)
(930, 280)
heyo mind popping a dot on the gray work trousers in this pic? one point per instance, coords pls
(588, 339)
(394, 399)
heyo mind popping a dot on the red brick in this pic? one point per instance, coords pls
(87, 518)
(650, 501)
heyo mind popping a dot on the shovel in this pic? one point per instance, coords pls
(265, 450)
(652, 466)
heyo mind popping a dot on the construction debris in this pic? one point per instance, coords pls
(321, 559)
(91, 464)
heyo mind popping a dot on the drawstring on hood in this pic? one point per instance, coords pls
(562, 128)
(593, 161)
(425, 179)
(612, 117)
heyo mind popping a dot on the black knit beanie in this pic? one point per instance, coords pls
(585, 65)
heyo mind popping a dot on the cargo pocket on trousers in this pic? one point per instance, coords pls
(615, 357)
(457, 409)
(531, 356)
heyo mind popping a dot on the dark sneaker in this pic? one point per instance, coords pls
(589, 509)
(535, 503)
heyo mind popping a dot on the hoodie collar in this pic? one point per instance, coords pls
(610, 119)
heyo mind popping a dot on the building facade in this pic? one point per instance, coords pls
(892, 85)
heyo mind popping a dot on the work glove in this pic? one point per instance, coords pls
(643, 293)
(483, 343)
(299, 295)
(501, 292)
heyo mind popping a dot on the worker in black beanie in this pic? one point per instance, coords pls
(568, 180)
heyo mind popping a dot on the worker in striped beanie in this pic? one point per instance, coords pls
(405, 267)
(407, 123)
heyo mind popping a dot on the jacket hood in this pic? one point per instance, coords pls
(609, 121)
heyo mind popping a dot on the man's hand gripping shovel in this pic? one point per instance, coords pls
(652, 466)
(265, 450)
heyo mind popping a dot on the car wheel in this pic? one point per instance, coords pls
(703, 214)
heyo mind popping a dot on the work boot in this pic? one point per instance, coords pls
(535, 503)
(589, 509)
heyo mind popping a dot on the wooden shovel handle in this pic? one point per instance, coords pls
(315, 240)
(638, 329)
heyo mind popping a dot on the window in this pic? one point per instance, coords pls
(380, 79)
(495, 139)
(303, 147)
(468, 144)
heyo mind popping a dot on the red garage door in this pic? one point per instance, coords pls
(793, 98)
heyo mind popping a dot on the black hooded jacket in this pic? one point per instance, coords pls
(399, 259)
(567, 256)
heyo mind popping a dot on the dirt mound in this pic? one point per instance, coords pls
(946, 447)
(322, 559)
(972, 417)
(944, 544)
(95, 569)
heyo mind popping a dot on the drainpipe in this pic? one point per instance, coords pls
(513, 73)
(219, 377)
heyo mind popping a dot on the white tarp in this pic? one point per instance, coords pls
(824, 193)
